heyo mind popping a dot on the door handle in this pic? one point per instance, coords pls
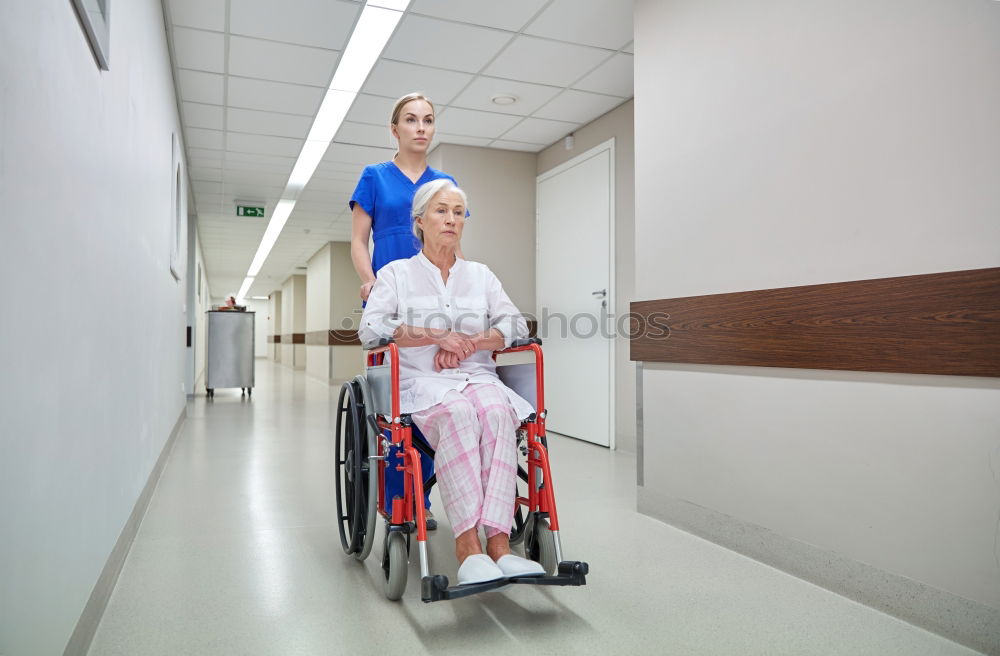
(600, 293)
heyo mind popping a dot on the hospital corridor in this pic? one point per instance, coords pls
(385, 327)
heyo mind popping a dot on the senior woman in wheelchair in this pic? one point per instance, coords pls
(447, 316)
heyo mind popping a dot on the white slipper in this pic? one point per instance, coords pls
(478, 568)
(513, 566)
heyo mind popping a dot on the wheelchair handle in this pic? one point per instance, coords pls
(382, 341)
(524, 342)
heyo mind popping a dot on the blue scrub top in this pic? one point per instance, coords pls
(386, 194)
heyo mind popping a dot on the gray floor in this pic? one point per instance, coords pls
(239, 554)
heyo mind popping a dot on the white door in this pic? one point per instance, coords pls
(574, 283)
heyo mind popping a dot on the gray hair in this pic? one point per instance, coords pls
(425, 194)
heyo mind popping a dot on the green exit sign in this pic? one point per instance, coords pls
(249, 210)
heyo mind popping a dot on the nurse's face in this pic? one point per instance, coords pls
(415, 126)
(443, 221)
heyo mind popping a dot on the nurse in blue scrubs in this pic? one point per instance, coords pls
(380, 208)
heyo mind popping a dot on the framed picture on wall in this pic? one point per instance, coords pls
(95, 17)
(178, 212)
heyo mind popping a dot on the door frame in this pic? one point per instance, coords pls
(609, 146)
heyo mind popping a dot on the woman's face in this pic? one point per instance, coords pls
(415, 127)
(443, 220)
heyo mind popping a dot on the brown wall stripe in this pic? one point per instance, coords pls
(941, 323)
(294, 338)
(274, 339)
(333, 338)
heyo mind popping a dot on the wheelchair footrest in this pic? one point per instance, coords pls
(435, 588)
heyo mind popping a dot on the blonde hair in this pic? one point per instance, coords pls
(425, 194)
(397, 109)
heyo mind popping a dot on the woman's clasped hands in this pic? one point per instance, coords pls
(453, 348)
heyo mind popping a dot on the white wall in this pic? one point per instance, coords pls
(784, 143)
(318, 284)
(618, 125)
(293, 320)
(500, 231)
(274, 323)
(259, 307)
(93, 351)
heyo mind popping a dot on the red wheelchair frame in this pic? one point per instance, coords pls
(404, 516)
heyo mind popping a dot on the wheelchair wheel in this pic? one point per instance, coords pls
(395, 564)
(369, 468)
(540, 544)
(352, 473)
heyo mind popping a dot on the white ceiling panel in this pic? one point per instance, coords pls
(208, 175)
(270, 123)
(198, 115)
(241, 142)
(564, 62)
(203, 14)
(539, 131)
(509, 15)
(281, 62)
(200, 138)
(579, 106)
(365, 135)
(396, 79)
(612, 77)
(258, 158)
(197, 86)
(472, 123)
(461, 140)
(319, 23)
(262, 178)
(600, 23)
(357, 155)
(517, 145)
(433, 42)
(371, 109)
(274, 96)
(203, 187)
(480, 94)
(200, 50)
(281, 169)
(205, 162)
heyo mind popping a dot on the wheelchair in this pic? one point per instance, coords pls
(369, 421)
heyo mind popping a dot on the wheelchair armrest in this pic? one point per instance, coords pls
(383, 341)
(524, 342)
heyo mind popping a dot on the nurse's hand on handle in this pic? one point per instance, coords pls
(366, 289)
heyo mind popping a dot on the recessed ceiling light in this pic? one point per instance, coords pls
(504, 99)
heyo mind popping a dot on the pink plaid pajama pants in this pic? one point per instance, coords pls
(473, 434)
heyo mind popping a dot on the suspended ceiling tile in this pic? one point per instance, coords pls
(612, 77)
(517, 145)
(563, 62)
(480, 94)
(432, 42)
(261, 167)
(472, 123)
(281, 62)
(601, 23)
(270, 123)
(539, 131)
(579, 106)
(274, 96)
(198, 115)
(365, 135)
(442, 137)
(200, 50)
(357, 155)
(201, 138)
(205, 162)
(203, 187)
(257, 158)
(208, 175)
(509, 15)
(203, 14)
(241, 142)
(197, 86)
(323, 24)
(375, 110)
(396, 79)
(261, 178)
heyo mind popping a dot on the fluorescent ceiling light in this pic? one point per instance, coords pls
(331, 114)
(370, 35)
(377, 23)
(259, 298)
(278, 218)
(244, 288)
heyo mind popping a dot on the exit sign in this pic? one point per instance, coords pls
(249, 210)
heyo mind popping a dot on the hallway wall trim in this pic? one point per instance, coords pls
(293, 338)
(90, 619)
(964, 621)
(333, 338)
(939, 323)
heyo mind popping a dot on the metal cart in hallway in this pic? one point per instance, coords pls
(230, 354)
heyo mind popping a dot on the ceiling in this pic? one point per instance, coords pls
(250, 75)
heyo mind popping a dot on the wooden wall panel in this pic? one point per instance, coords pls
(942, 323)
